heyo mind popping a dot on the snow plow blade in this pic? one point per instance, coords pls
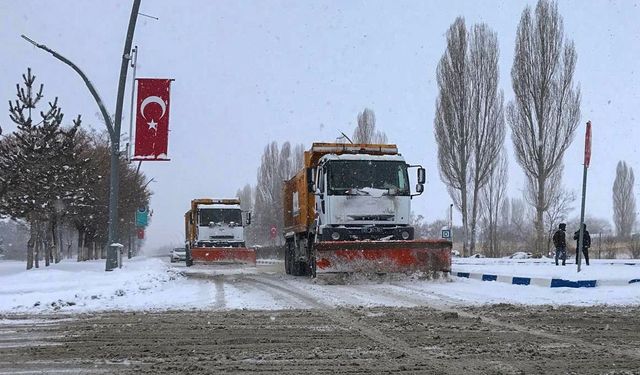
(430, 257)
(223, 255)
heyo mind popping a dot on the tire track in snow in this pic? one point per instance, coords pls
(350, 320)
(291, 298)
(517, 327)
(220, 297)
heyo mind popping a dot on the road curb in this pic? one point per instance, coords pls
(544, 282)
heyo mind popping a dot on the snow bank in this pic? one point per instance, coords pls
(142, 284)
(599, 269)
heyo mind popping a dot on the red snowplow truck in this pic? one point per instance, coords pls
(214, 230)
(347, 211)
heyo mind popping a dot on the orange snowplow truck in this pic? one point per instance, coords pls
(347, 211)
(214, 230)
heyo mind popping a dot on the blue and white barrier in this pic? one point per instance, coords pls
(543, 282)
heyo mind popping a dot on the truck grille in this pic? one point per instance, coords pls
(372, 217)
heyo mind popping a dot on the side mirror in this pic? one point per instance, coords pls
(422, 176)
(311, 186)
(419, 188)
(248, 220)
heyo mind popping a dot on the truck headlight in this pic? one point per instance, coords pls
(335, 236)
(405, 235)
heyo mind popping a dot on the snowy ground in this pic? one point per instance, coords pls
(154, 284)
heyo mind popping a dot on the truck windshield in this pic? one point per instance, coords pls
(353, 177)
(219, 215)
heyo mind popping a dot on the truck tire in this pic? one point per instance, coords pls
(301, 268)
(312, 267)
(187, 259)
(287, 258)
(295, 271)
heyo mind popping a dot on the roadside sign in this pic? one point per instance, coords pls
(274, 231)
(142, 217)
(446, 233)
(140, 232)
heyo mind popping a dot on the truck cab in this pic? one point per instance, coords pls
(219, 225)
(363, 197)
(214, 233)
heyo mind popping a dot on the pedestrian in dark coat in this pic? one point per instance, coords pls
(586, 243)
(560, 243)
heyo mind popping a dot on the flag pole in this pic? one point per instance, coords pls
(587, 160)
(134, 65)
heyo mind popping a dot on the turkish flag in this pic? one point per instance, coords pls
(152, 119)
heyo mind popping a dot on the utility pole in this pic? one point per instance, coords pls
(112, 127)
(112, 251)
(451, 223)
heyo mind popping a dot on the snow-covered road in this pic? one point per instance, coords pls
(154, 284)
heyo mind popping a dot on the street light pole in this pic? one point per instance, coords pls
(113, 128)
(134, 65)
(112, 256)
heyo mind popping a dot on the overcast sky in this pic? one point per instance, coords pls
(250, 72)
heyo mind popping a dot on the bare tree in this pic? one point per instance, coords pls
(560, 201)
(487, 112)
(246, 196)
(297, 157)
(624, 201)
(366, 130)
(278, 164)
(493, 196)
(634, 246)
(469, 122)
(513, 227)
(545, 112)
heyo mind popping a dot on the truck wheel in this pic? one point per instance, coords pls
(287, 258)
(300, 268)
(312, 267)
(187, 259)
(295, 270)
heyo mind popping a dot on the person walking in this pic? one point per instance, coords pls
(586, 243)
(560, 243)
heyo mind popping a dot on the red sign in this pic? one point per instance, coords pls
(152, 119)
(274, 231)
(140, 232)
(587, 145)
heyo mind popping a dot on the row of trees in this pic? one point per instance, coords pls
(55, 178)
(279, 163)
(470, 118)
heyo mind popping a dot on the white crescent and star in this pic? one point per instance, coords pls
(153, 99)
